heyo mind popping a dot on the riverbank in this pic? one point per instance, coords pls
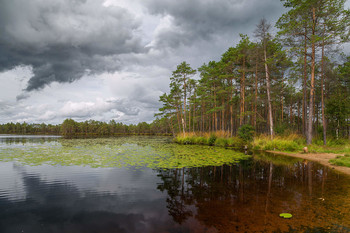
(322, 158)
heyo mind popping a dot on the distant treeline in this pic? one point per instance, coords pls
(91, 128)
(25, 128)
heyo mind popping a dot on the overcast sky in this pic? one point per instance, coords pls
(103, 60)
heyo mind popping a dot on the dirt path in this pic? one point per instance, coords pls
(322, 158)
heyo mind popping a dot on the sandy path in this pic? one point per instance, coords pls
(322, 158)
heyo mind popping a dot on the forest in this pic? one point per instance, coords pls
(90, 128)
(296, 81)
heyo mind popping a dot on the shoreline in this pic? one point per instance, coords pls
(322, 158)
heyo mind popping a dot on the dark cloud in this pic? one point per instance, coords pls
(206, 19)
(63, 40)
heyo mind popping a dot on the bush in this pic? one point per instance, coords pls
(236, 142)
(280, 129)
(211, 140)
(221, 142)
(201, 141)
(183, 140)
(246, 132)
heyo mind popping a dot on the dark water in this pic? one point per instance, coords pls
(239, 197)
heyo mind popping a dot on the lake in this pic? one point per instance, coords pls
(148, 184)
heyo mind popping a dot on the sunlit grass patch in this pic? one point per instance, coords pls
(281, 143)
(341, 160)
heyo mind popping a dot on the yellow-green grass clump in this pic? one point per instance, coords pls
(291, 143)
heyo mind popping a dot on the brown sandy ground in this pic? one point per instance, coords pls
(322, 158)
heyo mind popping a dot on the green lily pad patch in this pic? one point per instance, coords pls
(286, 215)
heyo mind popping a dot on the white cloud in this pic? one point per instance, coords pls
(107, 72)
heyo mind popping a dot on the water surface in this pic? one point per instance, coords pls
(147, 184)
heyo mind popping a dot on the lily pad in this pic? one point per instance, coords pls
(133, 152)
(286, 215)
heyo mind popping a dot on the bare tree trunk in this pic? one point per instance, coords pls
(194, 114)
(184, 120)
(322, 93)
(241, 119)
(256, 93)
(304, 85)
(312, 84)
(282, 100)
(215, 116)
(178, 118)
(231, 110)
(268, 93)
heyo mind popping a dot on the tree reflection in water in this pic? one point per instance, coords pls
(249, 196)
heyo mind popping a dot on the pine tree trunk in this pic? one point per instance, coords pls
(194, 114)
(223, 115)
(241, 119)
(268, 94)
(184, 120)
(256, 93)
(215, 124)
(304, 85)
(322, 93)
(312, 84)
(231, 110)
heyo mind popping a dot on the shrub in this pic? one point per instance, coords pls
(246, 132)
(236, 142)
(211, 140)
(183, 140)
(201, 141)
(281, 128)
(221, 142)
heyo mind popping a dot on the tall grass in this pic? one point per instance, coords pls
(292, 142)
(218, 138)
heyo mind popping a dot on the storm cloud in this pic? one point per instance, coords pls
(63, 40)
(207, 19)
(110, 59)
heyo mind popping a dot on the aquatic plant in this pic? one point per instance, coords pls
(135, 152)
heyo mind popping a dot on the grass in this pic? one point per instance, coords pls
(291, 143)
(341, 160)
(219, 139)
(286, 143)
(337, 146)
